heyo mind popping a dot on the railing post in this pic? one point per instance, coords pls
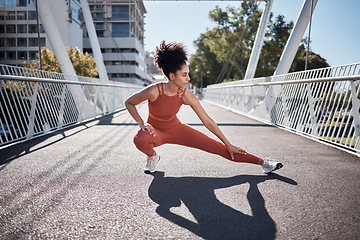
(285, 111)
(311, 102)
(62, 107)
(355, 109)
(33, 100)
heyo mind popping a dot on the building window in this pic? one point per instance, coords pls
(100, 29)
(98, 16)
(33, 42)
(11, 55)
(21, 28)
(22, 42)
(21, 15)
(42, 42)
(32, 15)
(2, 55)
(99, 26)
(33, 54)
(100, 33)
(2, 42)
(22, 55)
(31, 3)
(10, 15)
(10, 28)
(8, 3)
(11, 42)
(76, 12)
(88, 50)
(120, 12)
(32, 28)
(2, 28)
(120, 30)
(21, 3)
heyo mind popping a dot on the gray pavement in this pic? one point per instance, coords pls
(87, 182)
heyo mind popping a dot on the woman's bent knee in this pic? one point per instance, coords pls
(142, 138)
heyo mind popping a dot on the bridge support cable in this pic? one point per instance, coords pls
(295, 37)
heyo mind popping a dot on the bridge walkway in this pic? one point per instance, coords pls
(87, 182)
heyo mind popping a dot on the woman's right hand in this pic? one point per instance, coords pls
(149, 128)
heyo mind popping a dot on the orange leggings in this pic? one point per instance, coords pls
(185, 135)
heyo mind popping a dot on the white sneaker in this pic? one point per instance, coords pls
(270, 166)
(151, 163)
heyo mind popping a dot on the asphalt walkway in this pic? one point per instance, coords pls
(87, 182)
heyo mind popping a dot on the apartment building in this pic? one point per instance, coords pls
(119, 26)
(19, 40)
(120, 29)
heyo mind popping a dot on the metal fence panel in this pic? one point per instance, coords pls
(322, 104)
(35, 102)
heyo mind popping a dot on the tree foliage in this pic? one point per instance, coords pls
(224, 51)
(84, 64)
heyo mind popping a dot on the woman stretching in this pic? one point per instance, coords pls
(163, 126)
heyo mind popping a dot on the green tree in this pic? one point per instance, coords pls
(83, 64)
(314, 60)
(224, 51)
(275, 42)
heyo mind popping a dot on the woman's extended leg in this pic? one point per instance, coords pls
(187, 136)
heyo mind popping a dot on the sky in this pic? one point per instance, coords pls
(335, 29)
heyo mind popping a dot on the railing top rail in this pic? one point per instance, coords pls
(48, 80)
(330, 73)
(47, 76)
(310, 80)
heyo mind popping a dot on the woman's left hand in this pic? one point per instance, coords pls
(233, 149)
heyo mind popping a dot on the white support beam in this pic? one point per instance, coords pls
(94, 42)
(295, 37)
(54, 36)
(259, 40)
(62, 57)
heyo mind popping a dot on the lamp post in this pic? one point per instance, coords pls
(38, 32)
(201, 81)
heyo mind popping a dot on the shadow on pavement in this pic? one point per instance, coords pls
(214, 220)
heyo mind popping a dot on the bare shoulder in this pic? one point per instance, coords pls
(149, 93)
(152, 91)
(150, 88)
(189, 98)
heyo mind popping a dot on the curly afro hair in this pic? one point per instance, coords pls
(170, 57)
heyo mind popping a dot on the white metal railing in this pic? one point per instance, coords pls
(322, 104)
(35, 102)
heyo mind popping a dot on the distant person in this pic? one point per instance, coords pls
(163, 126)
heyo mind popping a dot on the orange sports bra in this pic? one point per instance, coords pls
(165, 107)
